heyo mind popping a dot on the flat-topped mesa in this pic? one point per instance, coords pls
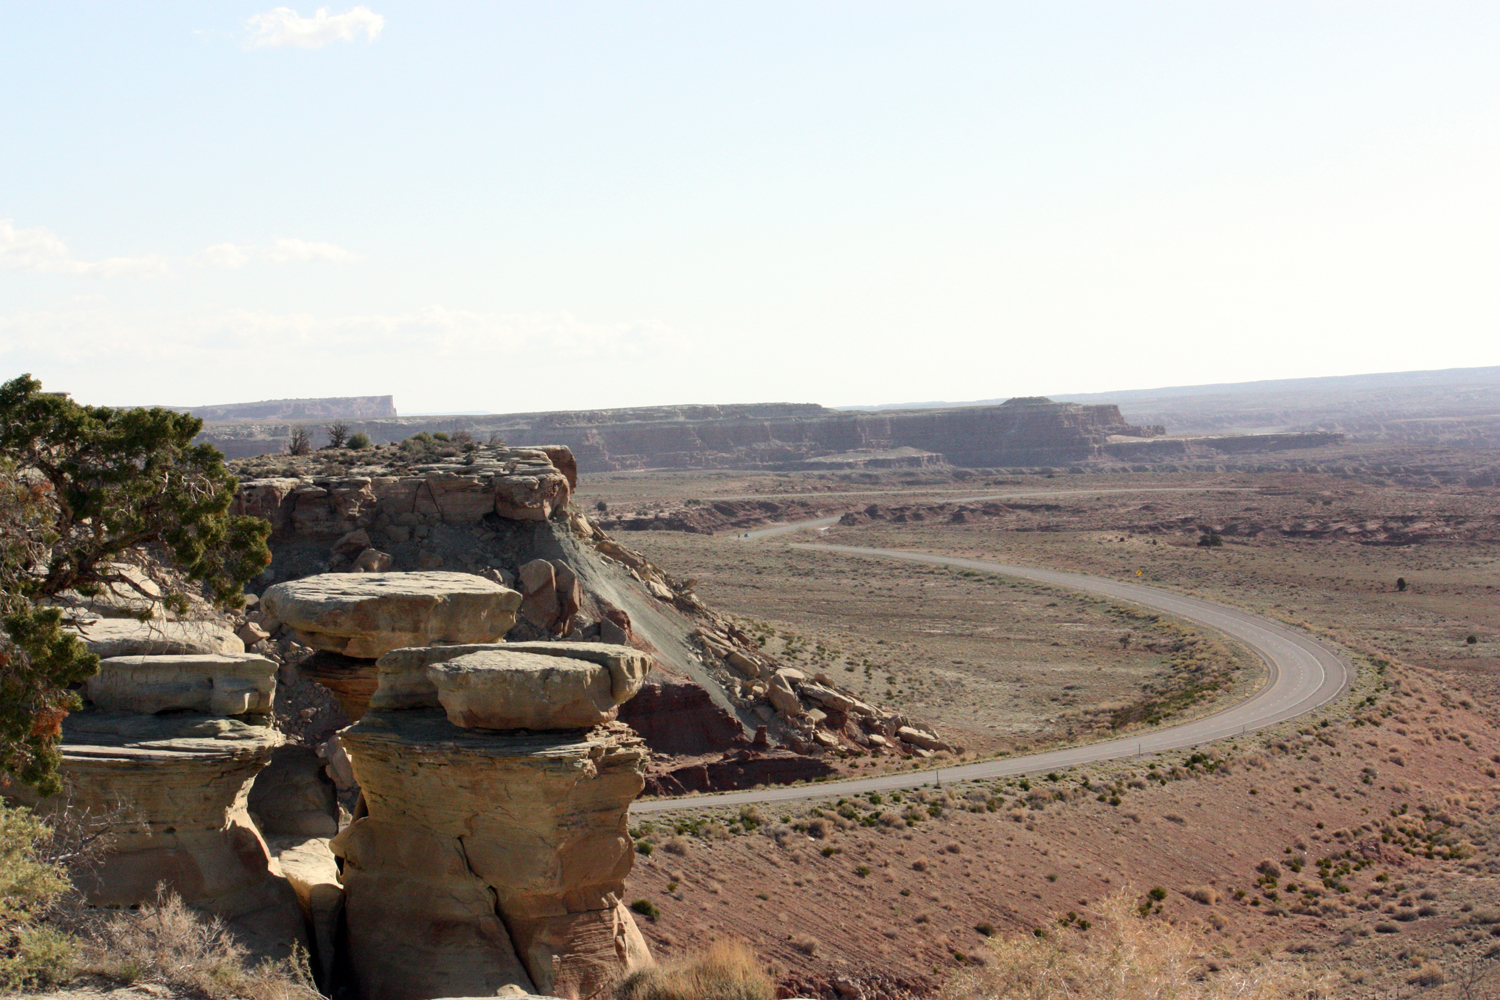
(170, 744)
(493, 855)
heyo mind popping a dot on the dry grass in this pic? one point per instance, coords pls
(171, 944)
(727, 970)
(1123, 957)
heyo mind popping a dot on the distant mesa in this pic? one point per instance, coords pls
(327, 408)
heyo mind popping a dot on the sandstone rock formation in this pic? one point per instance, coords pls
(214, 684)
(520, 484)
(367, 615)
(493, 859)
(178, 784)
(108, 637)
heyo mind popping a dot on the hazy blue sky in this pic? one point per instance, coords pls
(526, 205)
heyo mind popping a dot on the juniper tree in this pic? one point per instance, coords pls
(83, 490)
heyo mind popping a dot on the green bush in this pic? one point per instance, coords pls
(358, 441)
(32, 953)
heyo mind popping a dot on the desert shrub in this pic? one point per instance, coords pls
(819, 828)
(358, 441)
(1205, 894)
(1125, 957)
(32, 951)
(675, 845)
(807, 944)
(646, 908)
(728, 970)
(172, 944)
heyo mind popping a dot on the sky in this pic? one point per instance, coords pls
(509, 206)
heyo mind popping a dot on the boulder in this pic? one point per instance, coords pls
(918, 738)
(783, 697)
(533, 688)
(110, 637)
(312, 871)
(532, 490)
(372, 561)
(403, 680)
(215, 684)
(488, 859)
(561, 457)
(366, 615)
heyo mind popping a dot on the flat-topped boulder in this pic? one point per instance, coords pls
(210, 683)
(403, 680)
(110, 637)
(506, 688)
(366, 615)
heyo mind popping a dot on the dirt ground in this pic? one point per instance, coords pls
(1394, 788)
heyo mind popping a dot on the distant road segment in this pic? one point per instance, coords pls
(1303, 675)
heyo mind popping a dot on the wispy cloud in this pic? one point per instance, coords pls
(39, 251)
(283, 27)
(223, 255)
(284, 250)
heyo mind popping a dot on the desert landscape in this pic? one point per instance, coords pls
(884, 719)
(775, 501)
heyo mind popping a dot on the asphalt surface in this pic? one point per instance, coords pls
(1303, 675)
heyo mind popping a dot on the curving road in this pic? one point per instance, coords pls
(1303, 674)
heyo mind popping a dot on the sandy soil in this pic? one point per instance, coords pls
(1402, 768)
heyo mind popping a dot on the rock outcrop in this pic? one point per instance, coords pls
(366, 615)
(108, 637)
(170, 750)
(493, 858)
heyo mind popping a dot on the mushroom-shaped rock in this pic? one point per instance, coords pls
(215, 684)
(403, 680)
(489, 859)
(510, 689)
(366, 615)
(176, 787)
(109, 637)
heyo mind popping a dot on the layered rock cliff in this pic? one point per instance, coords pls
(1024, 432)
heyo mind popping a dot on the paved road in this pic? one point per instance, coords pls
(1303, 675)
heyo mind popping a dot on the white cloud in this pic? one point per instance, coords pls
(287, 250)
(39, 251)
(223, 255)
(285, 27)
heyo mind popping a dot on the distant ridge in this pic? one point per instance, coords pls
(1437, 377)
(326, 408)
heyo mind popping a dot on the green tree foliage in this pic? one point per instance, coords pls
(84, 489)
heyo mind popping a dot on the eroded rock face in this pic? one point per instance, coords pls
(366, 615)
(179, 783)
(522, 484)
(463, 823)
(214, 684)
